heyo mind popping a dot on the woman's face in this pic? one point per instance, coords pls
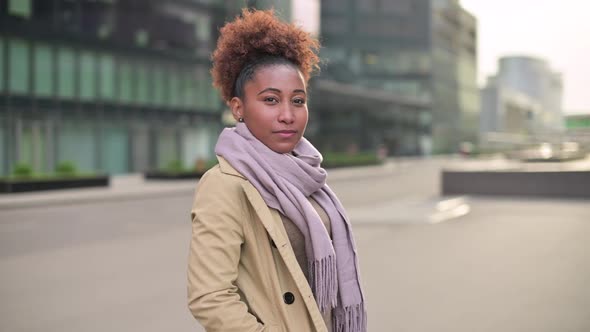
(274, 107)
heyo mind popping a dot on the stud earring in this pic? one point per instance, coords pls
(241, 120)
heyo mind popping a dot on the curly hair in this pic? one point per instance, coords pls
(255, 39)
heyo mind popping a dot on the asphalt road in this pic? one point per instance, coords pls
(508, 265)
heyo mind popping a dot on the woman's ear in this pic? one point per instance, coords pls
(237, 108)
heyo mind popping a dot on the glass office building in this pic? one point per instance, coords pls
(413, 66)
(114, 86)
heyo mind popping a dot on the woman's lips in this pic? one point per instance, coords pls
(286, 133)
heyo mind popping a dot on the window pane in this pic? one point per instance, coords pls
(174, 87)
(200, 78)
(203, 26)
(87, 76)
(107, 77)
(194, 89)
(143, 82)
(1, 66)
(20, 8)
(43, 71)
(160, 84)
(19, 66)
(187, 91)
(66, 70)
(213, 97)
(125, 82)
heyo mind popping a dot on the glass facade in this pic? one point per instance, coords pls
(44, 73)
(125, 77)
(88, 76)
(98, 71)
(107, 77)
(66, 67)
(21, 8)
(143, 83)
(2, 56)
(380, 51)
(19, 67)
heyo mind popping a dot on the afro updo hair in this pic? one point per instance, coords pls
(259, 38)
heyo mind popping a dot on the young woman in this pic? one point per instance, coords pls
(272, 248)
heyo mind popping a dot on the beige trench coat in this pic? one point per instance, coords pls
(242, 273)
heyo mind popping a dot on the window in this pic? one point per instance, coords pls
(189, 89)
(43, 70)
(87, 76)
(174, 87)
(125, 72)
(20, 8)
(1, 65)
(203, 27)
(107, 77)
(213, 97)
(66, 72)
(201, 89)
(19, 66)
(143, 82)
(160, 85)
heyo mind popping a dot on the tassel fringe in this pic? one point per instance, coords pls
(349, 319)
(324, 282)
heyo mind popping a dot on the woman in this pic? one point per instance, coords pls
(271, 249)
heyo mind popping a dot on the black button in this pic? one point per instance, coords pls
(289, 298)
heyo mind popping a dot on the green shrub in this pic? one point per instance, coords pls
(335, 159)
(66, 168)
(22, 170)
(175, 166)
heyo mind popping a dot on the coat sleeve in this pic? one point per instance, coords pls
(217, 235)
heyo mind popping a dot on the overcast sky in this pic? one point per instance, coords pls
(558, 31)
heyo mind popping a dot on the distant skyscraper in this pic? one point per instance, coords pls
(524, 97)
(535, 78)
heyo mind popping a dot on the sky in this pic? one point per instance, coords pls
(558, 31)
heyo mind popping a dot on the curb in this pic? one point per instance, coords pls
(69, 198)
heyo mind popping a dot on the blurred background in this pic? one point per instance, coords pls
(457, 134)
(123, 86)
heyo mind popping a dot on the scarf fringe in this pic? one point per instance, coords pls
(349, 319)
(324, 282)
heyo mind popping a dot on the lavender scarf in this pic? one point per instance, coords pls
(285, 181)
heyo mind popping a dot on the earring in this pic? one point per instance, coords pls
(241, 120)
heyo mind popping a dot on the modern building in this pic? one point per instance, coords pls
(524, 97)
(455, 94)
(505, 110)
(114, 86)
(412, 67)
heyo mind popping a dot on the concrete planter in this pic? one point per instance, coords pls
(28, 185)
(559, 184)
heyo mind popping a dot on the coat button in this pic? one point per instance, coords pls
(289, 298)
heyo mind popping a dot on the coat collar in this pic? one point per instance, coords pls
(226, 168)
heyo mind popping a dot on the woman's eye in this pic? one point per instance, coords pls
(271, 100)
(299, 101)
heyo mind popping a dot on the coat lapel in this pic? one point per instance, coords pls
(273, 224)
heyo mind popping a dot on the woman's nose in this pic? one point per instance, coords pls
(286, 115)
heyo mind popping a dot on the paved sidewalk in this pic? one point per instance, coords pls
(134, 186)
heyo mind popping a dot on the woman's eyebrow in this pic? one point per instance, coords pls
(300, 91)
(269, 89)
